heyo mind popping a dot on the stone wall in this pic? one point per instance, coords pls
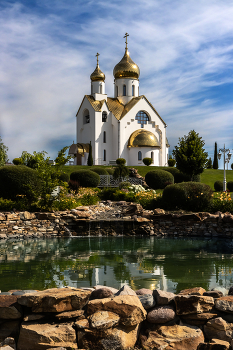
(110, 319)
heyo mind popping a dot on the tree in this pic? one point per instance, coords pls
(120, 170)
(190, 155)
(209, 164)
(3, 153)
(215, 162)
(90, 158)
(61, 158)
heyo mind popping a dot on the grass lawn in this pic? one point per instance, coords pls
(209, 176)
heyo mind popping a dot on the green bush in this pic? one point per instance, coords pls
(171, 162)
(120, 161)
(61, 176)
(192, 196)
(124, 184)
(218, 186)
(181, 177)
(107, 193)
(85, 178)
(110, 171)
(230, 186)
(147, 161)
(17, 161)
(19, 181)
(100, 171)
(158, 179)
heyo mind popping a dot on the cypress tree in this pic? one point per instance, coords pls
(90, 159)
(215, 162)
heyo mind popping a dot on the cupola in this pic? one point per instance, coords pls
(98, 82)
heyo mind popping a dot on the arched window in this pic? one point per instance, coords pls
(138, 91)
(104, 137)
(152, 157)
(142, 118)
(139, 155)
(104, 155)
(116, 91)
(124, 90)
(133, 90)
(101, 89)
(104, 117)
(86, 116)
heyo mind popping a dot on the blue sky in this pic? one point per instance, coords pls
(184, 50)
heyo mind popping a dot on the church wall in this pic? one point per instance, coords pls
(146, 153)
(128, 82)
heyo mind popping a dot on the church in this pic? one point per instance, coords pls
(124, 126)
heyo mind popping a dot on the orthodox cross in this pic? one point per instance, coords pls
(126, 35)
(97, 55)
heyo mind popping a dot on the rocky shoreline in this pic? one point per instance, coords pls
(106, 318)
(113, 219)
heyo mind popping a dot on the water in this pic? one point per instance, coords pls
(168, 264)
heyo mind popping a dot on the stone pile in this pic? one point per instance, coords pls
(110, 319)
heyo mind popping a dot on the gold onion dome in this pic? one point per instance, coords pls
(126, 68)
(143, 138)
(97, 75)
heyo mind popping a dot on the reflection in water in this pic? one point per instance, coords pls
(167, 264)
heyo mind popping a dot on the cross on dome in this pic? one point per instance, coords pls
(126, 35)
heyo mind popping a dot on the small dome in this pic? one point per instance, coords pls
(143, 138)
(126, 68)
(97, 75)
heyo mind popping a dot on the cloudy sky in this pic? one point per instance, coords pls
(184, 50)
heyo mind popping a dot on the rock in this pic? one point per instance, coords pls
(9, 309)
(8, 342)
(7, 347)
(193, 291)
(219, 329)
(101, 293)
(147, 301)
(103, 320)
(143, 291)
(173, 337)
(33, 317)
(162, 297)
(110, 339)
(213, 293)
(113, 290)
(161, 314)
(199, 319)
(230, 292)
(43, 336)
(77, 314)
(128, 307)
(158, 211)
(27, 216)
(56, 300)
(133, 209)
(225, 303)
(216, 344)
(81, 214)
(82, 324)
(125, 290)
(221, 289)
(192, 304)
(9, 329)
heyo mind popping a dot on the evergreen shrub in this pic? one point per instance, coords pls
(110, 171)
(107, 193)
(124, 184)
(147, 161)
(171, 162)
(192, 196)
(100, 171)
(158, 179)
(85, 178)
(120, 161)
(230, 186)
(17, 161)
(181, 177)
(218, 186)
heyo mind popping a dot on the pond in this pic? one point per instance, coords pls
(167, 264)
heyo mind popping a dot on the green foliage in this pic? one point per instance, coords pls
(120, 170)
(158, 179)
(17, 161)
(62, 159)
(218, 186)
(107, 193)
(181, 177)
(90, 158)
(85, 178)
(147, 161)
(215, 162)
(221, 202)
(192, 196)
(18, 181)
(190, 155)
(7, 204)
(124, 184)
(232, 166)
(120, 161)
(60, 176)
(230, 186)
(171, 162)
(209, 164)
(3, 153)
(100, 171)
(110, 171)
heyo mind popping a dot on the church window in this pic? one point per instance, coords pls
(104, 137)
(152, 157)
(138, 91)
(104, 117)
(133, 90)
(142, 118)
(124, 90)
(116, 91)
(86, 117)
(139, 155)
(101, 89)
(104, 155)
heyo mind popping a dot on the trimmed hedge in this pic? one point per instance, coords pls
(100, 171)
(120, 161)
(85, 178)
(230, 186)
(18, 181)
(192, 196)
(171, 162)
(218, 186)
(110, 171)
(147, 161)
(159, 179)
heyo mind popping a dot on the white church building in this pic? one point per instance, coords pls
(124, 126)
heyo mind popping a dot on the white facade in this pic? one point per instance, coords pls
(108, 123)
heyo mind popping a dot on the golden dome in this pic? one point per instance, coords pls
(126, 68)
(97, 75)
(143, 138)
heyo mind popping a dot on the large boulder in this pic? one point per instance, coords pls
(161, 314)
(9, 329)
(9, 309)
(219, 329)
(147, 301)
(191, 304)
(199, 319)
(125, 290)
(225, 303)
(193, 291)
(173, 337)
(162, 297)
(56, 300)
(103, 320)
(216, 344)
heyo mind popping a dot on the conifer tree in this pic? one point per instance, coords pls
(90, 158)
(215, 162)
